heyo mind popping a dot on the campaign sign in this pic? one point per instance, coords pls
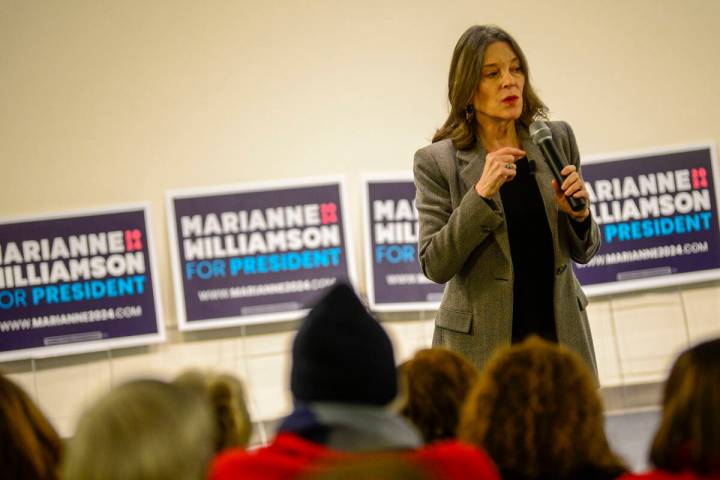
(256, 253)
(658, 217)
(394, 279)
(77, 282)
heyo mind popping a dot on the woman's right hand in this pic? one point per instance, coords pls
(499, 168)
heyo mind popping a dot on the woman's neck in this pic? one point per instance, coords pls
(495, 135)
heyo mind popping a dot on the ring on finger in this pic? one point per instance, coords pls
(509, 166)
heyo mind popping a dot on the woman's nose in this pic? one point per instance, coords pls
(508, 79)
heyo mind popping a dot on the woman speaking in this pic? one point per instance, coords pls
(494, 224)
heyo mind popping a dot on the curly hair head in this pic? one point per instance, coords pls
(536, 412)
(436, 382)
(688, 437)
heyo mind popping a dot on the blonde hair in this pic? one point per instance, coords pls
(535, 410)
(142, 430)
(227, 399)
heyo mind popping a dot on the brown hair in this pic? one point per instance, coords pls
(436, 382)
(465, 72)
(227, 398)
(536, 412)
(689, 433)
(29, 446)
(145, 429)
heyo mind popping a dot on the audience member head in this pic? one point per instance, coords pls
(143, 430)
(29, 446)
(688, 437)
(536, 412)
(227, 399)
(342, 354)
(435, 383)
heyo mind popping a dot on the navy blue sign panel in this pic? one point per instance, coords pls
(257, 253)
(77, 282)
(394, 279)
(658, 217)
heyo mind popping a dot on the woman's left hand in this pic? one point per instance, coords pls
(572, 186)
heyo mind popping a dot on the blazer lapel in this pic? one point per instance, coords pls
(470, 166)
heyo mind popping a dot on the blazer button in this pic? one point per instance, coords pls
(560, 269)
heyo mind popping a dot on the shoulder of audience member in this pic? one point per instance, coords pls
(456, 460)
(285, 457)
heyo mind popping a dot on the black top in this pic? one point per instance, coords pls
(533, 257)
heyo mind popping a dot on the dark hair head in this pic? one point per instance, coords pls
(463, 81)
(688, 437)
(29, 446)
(436, 382)
(342, 354)
(536, 412)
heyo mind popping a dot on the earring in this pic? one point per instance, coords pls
(469, 113)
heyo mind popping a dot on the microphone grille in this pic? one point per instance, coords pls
(539, 131)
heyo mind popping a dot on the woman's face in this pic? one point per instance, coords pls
(499, 95)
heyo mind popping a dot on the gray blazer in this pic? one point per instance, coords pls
(464, 242)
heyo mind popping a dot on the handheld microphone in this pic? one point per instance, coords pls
(542, 137)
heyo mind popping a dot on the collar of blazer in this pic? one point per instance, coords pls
(472, 162)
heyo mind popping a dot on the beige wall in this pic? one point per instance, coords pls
(106, 102)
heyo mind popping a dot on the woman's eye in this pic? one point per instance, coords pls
(516, 70)
(491, 74)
